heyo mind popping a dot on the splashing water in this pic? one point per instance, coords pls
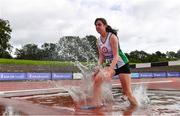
(140, 94)
(80, 49)
(77, 50)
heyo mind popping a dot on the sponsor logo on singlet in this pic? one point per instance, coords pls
(104, 49)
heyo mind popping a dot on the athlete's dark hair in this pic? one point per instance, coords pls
(108, 28)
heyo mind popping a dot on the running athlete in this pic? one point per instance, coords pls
(115, 60)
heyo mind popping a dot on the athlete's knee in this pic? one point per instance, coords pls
(98, 79)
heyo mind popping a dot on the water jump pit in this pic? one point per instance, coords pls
(58, 101)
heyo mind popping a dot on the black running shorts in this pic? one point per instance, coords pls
(124, 69)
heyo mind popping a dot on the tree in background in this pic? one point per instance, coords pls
(171, 54)
(5, 36)
(29, 52)
(71, 48)
(92, 41)
(49, 51)
(158, 56)
(178, 54)
(138, 56)
(76, 48)
(141, 57)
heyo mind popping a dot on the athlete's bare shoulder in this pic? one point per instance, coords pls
(113, 37)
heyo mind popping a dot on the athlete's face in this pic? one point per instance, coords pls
(100, 27)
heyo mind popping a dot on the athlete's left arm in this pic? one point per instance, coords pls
(114, 46)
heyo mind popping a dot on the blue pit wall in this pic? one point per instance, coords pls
(72, 76)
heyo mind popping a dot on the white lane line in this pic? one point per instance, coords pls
(47, 95)
(29, 90)
(34, 90)
(168, 81)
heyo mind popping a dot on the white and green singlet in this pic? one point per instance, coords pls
(106, 50)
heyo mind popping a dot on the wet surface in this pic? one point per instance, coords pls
(161, 103)
(52, 100)
(9, 110)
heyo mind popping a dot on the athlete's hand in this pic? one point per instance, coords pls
(97, 68)
(108, 72)
(96, 71)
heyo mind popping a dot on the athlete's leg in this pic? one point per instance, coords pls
(97, 89)
(103, 75)
(126, 87)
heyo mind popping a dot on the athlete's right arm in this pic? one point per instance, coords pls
(101, 57)
(100, 62)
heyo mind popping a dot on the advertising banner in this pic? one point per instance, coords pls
(160, 74)
(77, 75)
(135, 75)
(12, 76)
(146, 75)
(38, 76)
(56, 76)
(173, 74)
